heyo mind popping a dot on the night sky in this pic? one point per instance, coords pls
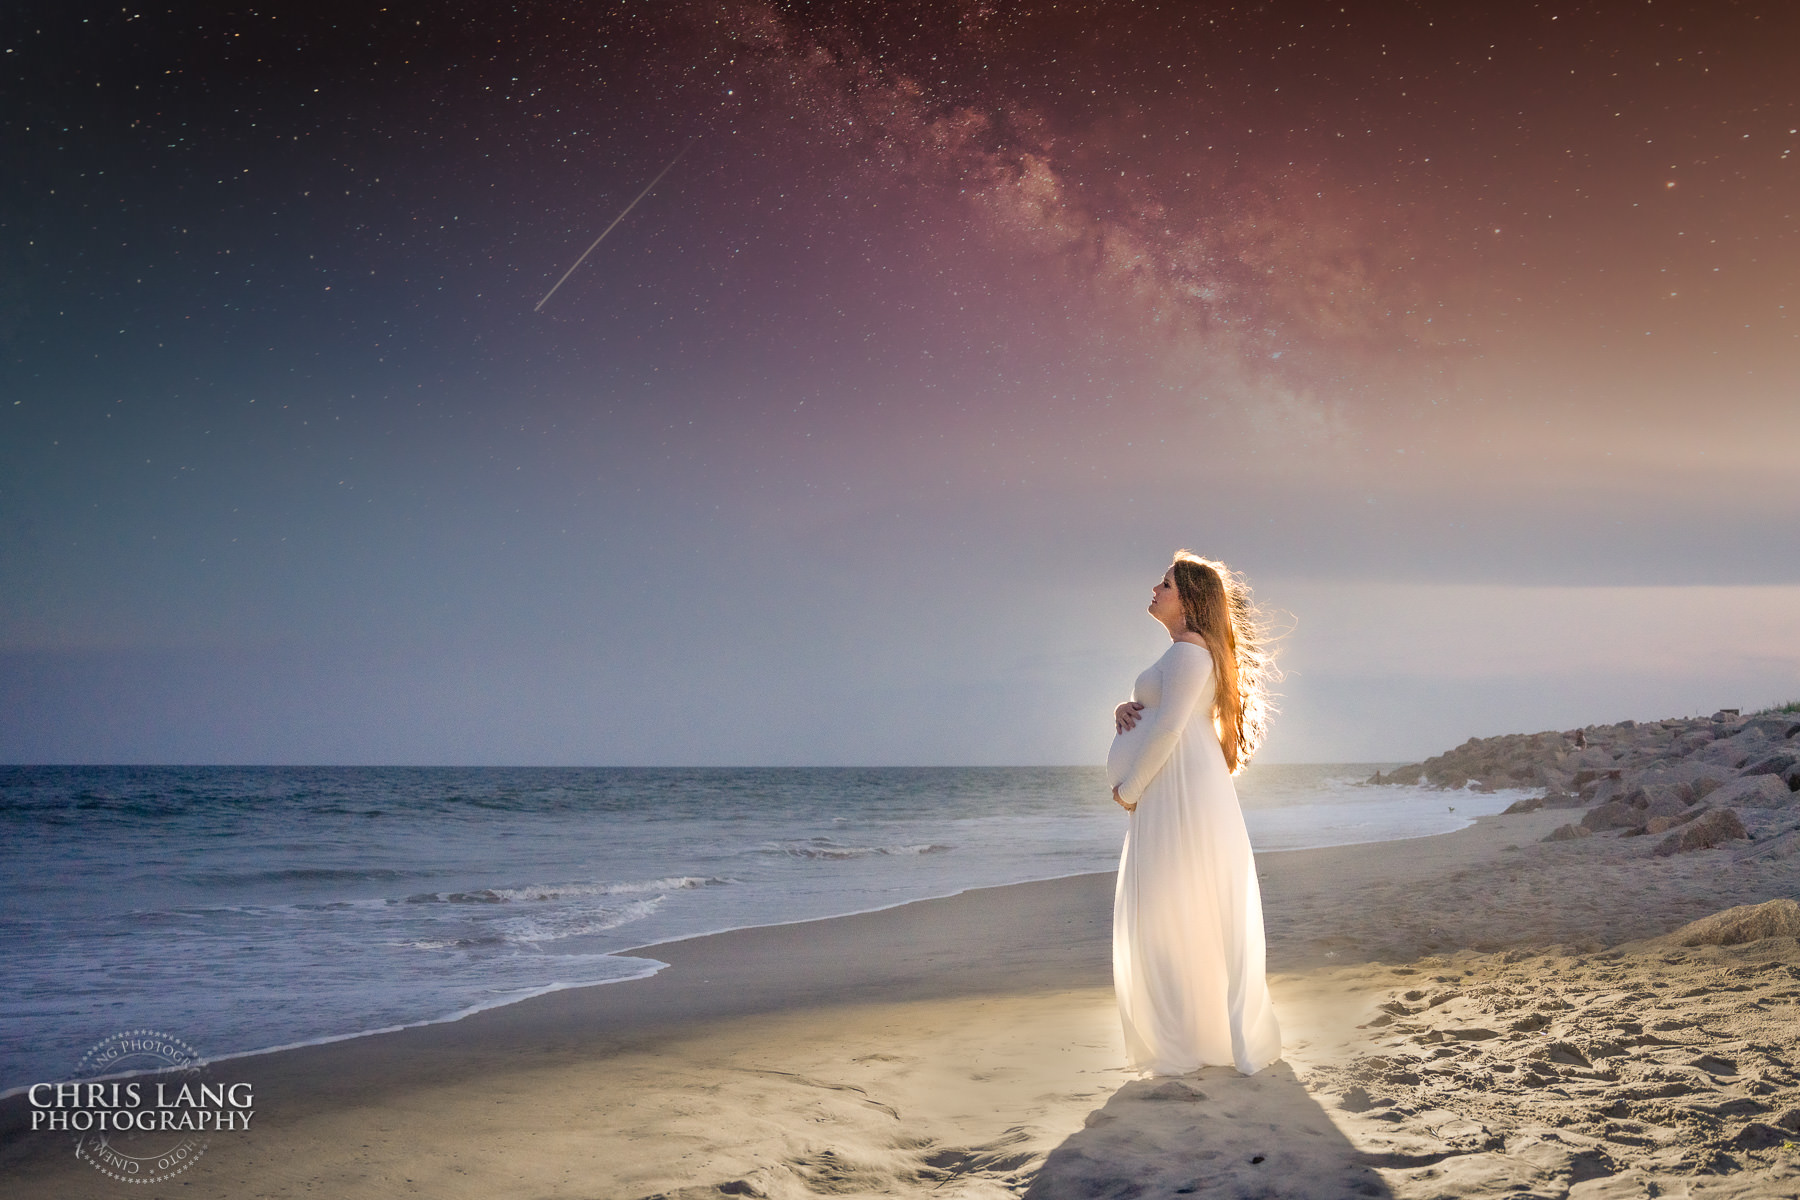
(1467, 331)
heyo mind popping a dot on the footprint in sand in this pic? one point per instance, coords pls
(1712, 1064)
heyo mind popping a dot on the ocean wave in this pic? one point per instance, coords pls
(534, 930)
(669, 883)
(565, 891)
(558, 926)
(825, 848)
(484, 896)
(298, 875)
(159, 916)
(462, 943)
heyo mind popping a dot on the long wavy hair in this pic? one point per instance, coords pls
(1216, 603)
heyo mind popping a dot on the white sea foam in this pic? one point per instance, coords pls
(575, 891)
(547, 892)
(827, 849)
(557, 926)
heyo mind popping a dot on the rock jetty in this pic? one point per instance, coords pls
(1698, 782)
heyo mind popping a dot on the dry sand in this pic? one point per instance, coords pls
(1468, 1015)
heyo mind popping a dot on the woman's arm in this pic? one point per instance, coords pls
(1186, 681)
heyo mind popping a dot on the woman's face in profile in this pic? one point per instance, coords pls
(1165, 601)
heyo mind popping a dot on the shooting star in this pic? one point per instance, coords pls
(615, 224)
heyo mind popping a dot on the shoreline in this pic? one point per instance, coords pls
(653, 965)
(747, 946)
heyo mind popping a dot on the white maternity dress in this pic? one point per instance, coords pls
(1187, 915)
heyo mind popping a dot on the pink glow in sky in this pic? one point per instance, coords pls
(1470, 339)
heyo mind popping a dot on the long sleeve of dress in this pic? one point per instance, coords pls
(1186, 681)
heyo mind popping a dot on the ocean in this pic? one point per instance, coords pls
(247, 908)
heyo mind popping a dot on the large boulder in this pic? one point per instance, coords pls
(1698, 777)
(1663, 802)
(1592, 758)
(1616, 815)
(1729, 753)
(1776, 726)
(1567, 833)
(1772, 849)
(1553, 779)
(1754, 791)
(1717, 827)
(1778, 763)
(1644, 795)
(1664, 824)
(1604, 790)
(1753, 743)
(1735, 926)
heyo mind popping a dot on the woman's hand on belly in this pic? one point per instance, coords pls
(1126, 716)
(1132, 807)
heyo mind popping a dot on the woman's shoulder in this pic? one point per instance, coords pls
(1187, 654)
(1184, 666)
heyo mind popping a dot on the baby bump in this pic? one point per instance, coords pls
(1125, 748)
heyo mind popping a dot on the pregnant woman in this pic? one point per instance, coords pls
(1187, 915)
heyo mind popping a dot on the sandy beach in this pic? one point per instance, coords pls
(570, 571)
(1479, 1013)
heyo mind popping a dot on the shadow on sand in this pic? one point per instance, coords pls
(1212, 1133)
